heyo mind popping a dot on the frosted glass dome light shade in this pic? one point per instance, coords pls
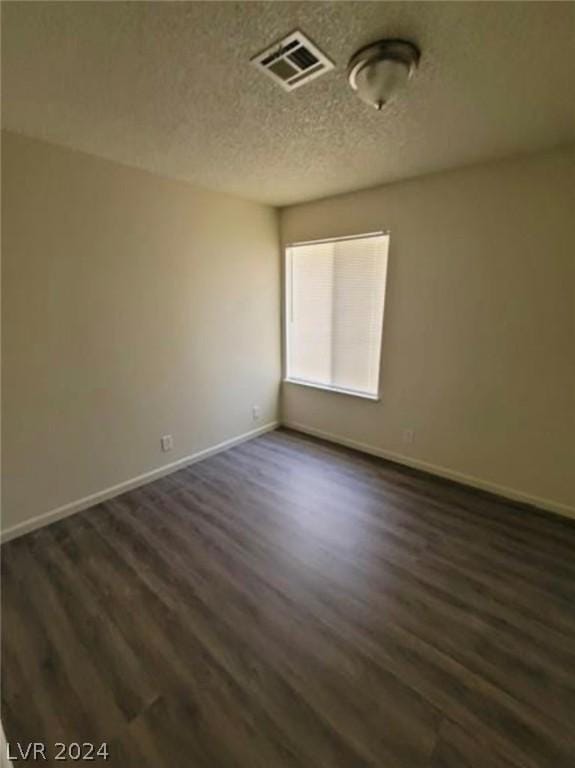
(378, 71)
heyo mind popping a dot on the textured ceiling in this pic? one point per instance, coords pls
(168, 86)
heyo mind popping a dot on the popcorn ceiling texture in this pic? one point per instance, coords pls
(168, 87)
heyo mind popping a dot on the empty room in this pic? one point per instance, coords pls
(288, 384)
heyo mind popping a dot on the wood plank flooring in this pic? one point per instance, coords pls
(292, 603)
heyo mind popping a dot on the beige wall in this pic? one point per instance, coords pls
(479, 333)
(134, 306)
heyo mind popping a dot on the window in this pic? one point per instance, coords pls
(335, 293)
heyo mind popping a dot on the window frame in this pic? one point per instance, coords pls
(285, 317)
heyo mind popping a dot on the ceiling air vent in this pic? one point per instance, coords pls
(293, 61)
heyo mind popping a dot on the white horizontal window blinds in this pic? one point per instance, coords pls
(334, 307)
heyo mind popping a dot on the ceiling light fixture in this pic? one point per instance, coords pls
(378, 71)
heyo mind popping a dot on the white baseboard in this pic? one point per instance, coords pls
(475, 482)
(95, 498)
(115, 490)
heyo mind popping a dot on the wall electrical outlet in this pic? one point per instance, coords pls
(256, 412)
(408, 436)
(167, 442)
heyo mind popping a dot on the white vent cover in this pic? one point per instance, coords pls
(293, 61)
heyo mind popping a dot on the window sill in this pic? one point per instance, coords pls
(337, 390)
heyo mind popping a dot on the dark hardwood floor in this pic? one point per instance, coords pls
(292, 603)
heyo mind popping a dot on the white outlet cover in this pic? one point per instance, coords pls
(167, 442)
(408, 435)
